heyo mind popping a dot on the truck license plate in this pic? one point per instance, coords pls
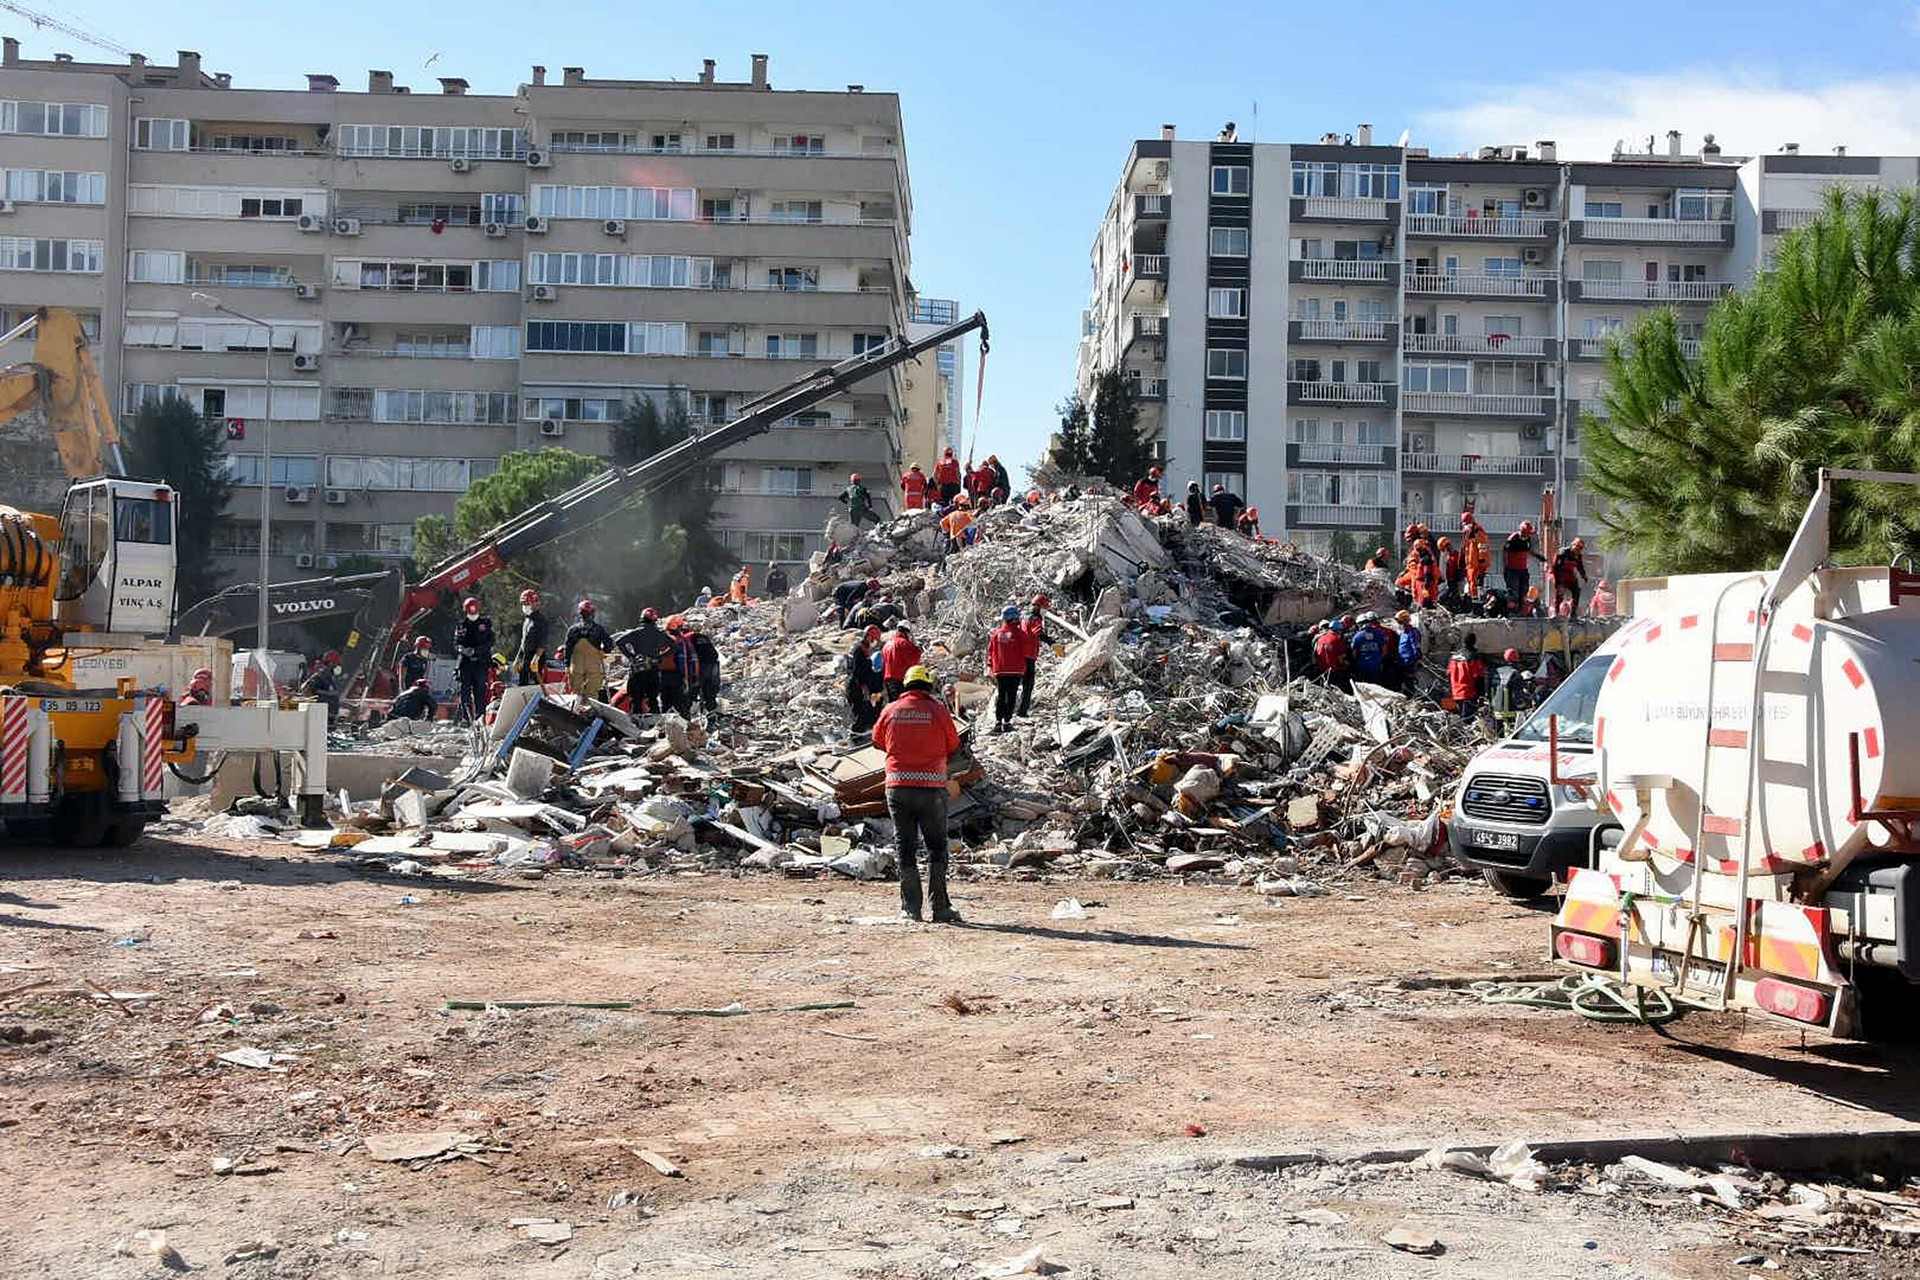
(1508, 840)
(69, 706)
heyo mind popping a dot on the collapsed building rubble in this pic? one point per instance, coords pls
(1175, 731)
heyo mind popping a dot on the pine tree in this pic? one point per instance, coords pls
(1117, 451)
(169, 441)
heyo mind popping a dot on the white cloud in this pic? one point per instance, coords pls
(1747, 114)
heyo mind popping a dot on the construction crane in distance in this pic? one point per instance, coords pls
(48, 22)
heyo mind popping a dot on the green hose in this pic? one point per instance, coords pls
(1591, 995)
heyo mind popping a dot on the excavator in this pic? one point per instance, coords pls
(379, 633)
(371, 600)
(86, 766)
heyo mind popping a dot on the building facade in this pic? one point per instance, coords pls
(935, 408)
(1356, 336)
(440, 279)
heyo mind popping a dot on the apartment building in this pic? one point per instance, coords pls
(1354, 336)
(935, 410)
(433, 280)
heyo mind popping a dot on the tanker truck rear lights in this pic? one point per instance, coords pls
(1583, 949)
(1791, 1000)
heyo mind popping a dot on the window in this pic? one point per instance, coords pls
(414, 213)
(54, 186)
(664, 142)
(151, 134)
(1223, 362)
(1303, 370)
(252, 143)
(601, 337)
(1226, 424)
(647, 204)
(1366, 371)
(1501, 326)
(1232, 180)
(762, 547)
(1689, 272)
(786, 480)
(1371, 309)
(496, 342)
(270, 207)
(869, 343)
(220, 202)
(22, 253)
(576, 408)
(713, 342)
(708, 407)
(1506, 378)
(1602, 209)
(1602, 269)
(243, 469)
(723, 210)
(1436, 376)
(157, 266)
(797, 211)
(151, 329)
(800, 144)
(425, 406)
(498, 275)
(54, 119)
(1229, 242)
(590, 140)
(1695, 204)
(439, 346)
(1371, 181)
(1426, 199)
(508, 208)
(1315, 178)
(1227, 304)
(200, 334)
(793, 346)
(793, 279)
(718, 142)
(239, 275)
(293, 402)
(422, 141)
(420, 475)
(1231, 481)
(1600, 326)
(138, 393)
(385, 541)
(656, 339)
(1505, 267)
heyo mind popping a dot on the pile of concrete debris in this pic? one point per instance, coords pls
(1175, 731)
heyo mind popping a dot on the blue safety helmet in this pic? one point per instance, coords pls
(1010, 614)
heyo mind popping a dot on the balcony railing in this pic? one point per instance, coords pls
(1149, 326)
(1149, 266)
(1353, 517)
(1789, 219)
(1474, 464)
(1655, 230)
(1152, 208)
(1355, 208)
(1596, 348)
(1651, 290)
(1515, 227)
(1339, 392)
(1461, 344)
(1149, 390)
(1455, 285)
(1475, 405)
(1344, 269)
(1353, 454)
(1343, 330)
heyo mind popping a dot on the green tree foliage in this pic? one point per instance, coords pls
(1706, 463)
(522, 480)
(1116, 449)
(168, 440)
(671, 550)
(1071, 451)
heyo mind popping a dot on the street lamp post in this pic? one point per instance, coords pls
(266, 478)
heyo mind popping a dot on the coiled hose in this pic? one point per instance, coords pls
(1591, 995)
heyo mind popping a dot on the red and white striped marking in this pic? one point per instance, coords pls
(152, 774)
(15, 714)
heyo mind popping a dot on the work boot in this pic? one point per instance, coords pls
(946, 915)
(912, 917)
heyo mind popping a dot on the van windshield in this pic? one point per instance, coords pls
(1573, 702)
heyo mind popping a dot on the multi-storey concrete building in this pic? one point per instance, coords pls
(1354, 336)
(935, 410)
(448, 277)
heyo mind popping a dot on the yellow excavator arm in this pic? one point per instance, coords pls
(63, 382)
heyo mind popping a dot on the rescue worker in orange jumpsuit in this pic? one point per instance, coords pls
(1476, 556)
(914, 486)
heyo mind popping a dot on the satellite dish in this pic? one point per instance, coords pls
(1406, 136)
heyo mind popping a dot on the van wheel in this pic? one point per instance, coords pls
(1509, 884)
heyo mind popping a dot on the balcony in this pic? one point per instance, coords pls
(1647, 290)
(1340, 392)
(1340, 455)
(1469, 404)
(1343, 270)
(1776, 221)
(1453, 285)
(1152, 208)
(1491, 344)
(1344, 209)
(1146, 277)
(1451, 226)
(1596, 348)
(1652, 231)
(1474, 464)
(1340, 330)
(1149, 390)
(1147, 328)
(1338, 516)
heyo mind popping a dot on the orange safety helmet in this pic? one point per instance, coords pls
(1445, 542)
(203, 676)
(854, 478)
(677, 622)
(1511, 655)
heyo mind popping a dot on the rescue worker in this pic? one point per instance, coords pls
(1476, 556)
(1037, 639)
(1380, 560)
(848, 595)
(1330, 654)
(323, 683)
(946, 476)
(1569, 574)
(1007, 663)
(1603, 600)
(679, 669)
(1407, 657)
(473, 648)
(199, 689)
(896, 656)
(919, 737)
(955, 524)
(584, 653)
(533, 640)
(414, 666)
(1248, 523)
(1510, 694)
(881, 613)
(742, 584)
(1196, 504)
(643, 647)
(1467, 676)
(1002, 482)
(1367, 650)
(777, 584)
(414, 703)
(1226, 506)
(980, 482)
(864, 690)
(706, 657)
(914, 486)
(1453, 570)
(858, 502)
(1146, 490)
(1515, 553)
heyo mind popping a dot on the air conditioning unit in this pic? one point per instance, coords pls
(306, 362)
(1532, 431)
(536, 225)
(553, 427)
(1533, 198)
(304, 560)
(538, 159)
(544, 293)
(310, 222)
(614, 226)
(495, 230)
(460, 164)
(336, 497)
(1533, 255)
(307, 292)
(297, 494)
(6, 206)
(346, 226)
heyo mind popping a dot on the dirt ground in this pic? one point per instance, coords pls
(1098, 1078)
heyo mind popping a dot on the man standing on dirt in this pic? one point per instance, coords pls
(918, 735)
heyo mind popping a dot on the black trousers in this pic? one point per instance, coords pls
(1006, 697)
(673, 693)
(472, 686)
(710, 692)
(920, 816)
(1516, 587)
(864, 712)
(643, 692)
(894, 688)
(1026, 687)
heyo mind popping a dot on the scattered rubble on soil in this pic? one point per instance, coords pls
(1175, 732)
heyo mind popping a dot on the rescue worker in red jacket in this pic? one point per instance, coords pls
(1146, 490)
(980, 484)
(1036, 628)
(946, 476)
(199, 689)
(1330, 653)
(1467, 676)
(1570, 575)
(1453, 570)
(1007, 661)
(914, 486)
(1515, 553)
(918, 735)
(897, 656)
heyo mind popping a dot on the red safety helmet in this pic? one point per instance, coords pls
(871, 633)
(1445, 542)
(422, 642)
(1579, 544)
(1380, 553)
(1042, 602)
(1154, 472)
(677, 622)
(854, 478)
(587, 609)
(470, 605)
(1511, 655)
(331, 657)
(529, 596)
(423, 684)
(1219, 488)
(873, 584)
(1526, 526)
(203, 676)
(649, 614)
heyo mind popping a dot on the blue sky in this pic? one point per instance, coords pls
(1018, 115)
